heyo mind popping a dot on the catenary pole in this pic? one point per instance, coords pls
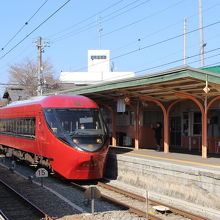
(184, 31)
(201, 44)
(39, 66)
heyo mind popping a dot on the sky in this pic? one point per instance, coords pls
(144, 36)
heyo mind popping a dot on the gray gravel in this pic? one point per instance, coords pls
(63, 201)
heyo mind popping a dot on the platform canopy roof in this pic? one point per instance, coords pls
(163, 86)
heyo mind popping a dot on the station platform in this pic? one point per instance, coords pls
(190, 159)
(183, 179)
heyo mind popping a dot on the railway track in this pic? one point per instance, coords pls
(151, 202)
(15, 206)
(139, 205)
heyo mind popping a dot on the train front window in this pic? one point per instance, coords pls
(80, 128)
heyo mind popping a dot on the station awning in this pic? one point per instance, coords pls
(163, 86)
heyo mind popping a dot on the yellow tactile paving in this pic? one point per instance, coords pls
(175, 160)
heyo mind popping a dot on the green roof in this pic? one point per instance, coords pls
(213, 69)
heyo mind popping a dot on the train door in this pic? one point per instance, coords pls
(175, 132)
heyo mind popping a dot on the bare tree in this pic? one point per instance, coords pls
(25, 75)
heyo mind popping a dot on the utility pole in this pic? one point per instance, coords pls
(201, 44)
(184, 33)
(100, 31)
(39, 66)
(40, 78)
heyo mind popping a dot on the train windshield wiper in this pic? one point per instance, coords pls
(79, 132)
(86, 132)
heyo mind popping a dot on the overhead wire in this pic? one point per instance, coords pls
(154, 44)
(206, 58)
(88, 18)
(35, 29)
(171, 62)
(148, 45)
(142, 19)
(176, 61)
(140, 39)
(94, 24)
(123, 27)
(22, 27)
(213, 64)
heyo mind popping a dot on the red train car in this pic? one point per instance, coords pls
(63, 132)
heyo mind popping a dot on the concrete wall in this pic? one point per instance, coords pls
(197, 186)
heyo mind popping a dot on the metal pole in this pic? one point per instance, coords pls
(93, 200)
(201, 35)
(100, 32)
(39, 66)
(146, 195)
(184, 31)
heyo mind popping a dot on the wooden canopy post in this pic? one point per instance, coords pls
(137, 118)
(113, 123)
(113, 128)
(204, 122)
(165, 121)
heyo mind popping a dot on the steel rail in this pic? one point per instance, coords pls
(25, 200)
(142, 199)
(132, 195)
(115, 201)
(3, 216)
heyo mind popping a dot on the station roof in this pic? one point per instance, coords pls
(163, 86)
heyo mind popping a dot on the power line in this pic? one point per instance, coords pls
(10, 84)
(206, 58)
(87, 27)
(35, 29)
(88, 18)
(154, 44)
(175, 61)
(163, 28)
(213, 64)
(172, 62)
(94, 23)
(131, 3)
(25, 24)
(142, 19)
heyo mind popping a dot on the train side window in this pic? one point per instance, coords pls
(1, 125)
(16, 126)
(4, 125)
(7, 125)
(26, 126)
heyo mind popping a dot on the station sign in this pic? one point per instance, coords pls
(41, 172)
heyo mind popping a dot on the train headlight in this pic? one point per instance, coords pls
(99, 141)
(75, 141)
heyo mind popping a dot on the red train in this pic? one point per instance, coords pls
(65, 133)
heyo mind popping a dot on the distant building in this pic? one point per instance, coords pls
(98, 70)
(12, 94)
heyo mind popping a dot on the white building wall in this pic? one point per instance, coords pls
(98, 61)
(98, 70)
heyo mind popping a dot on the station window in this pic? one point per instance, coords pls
(152, 117)
(185, 123)
(197, 123)
(131, 118)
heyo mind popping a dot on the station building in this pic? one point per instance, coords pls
(99, 70)
(184, 100)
